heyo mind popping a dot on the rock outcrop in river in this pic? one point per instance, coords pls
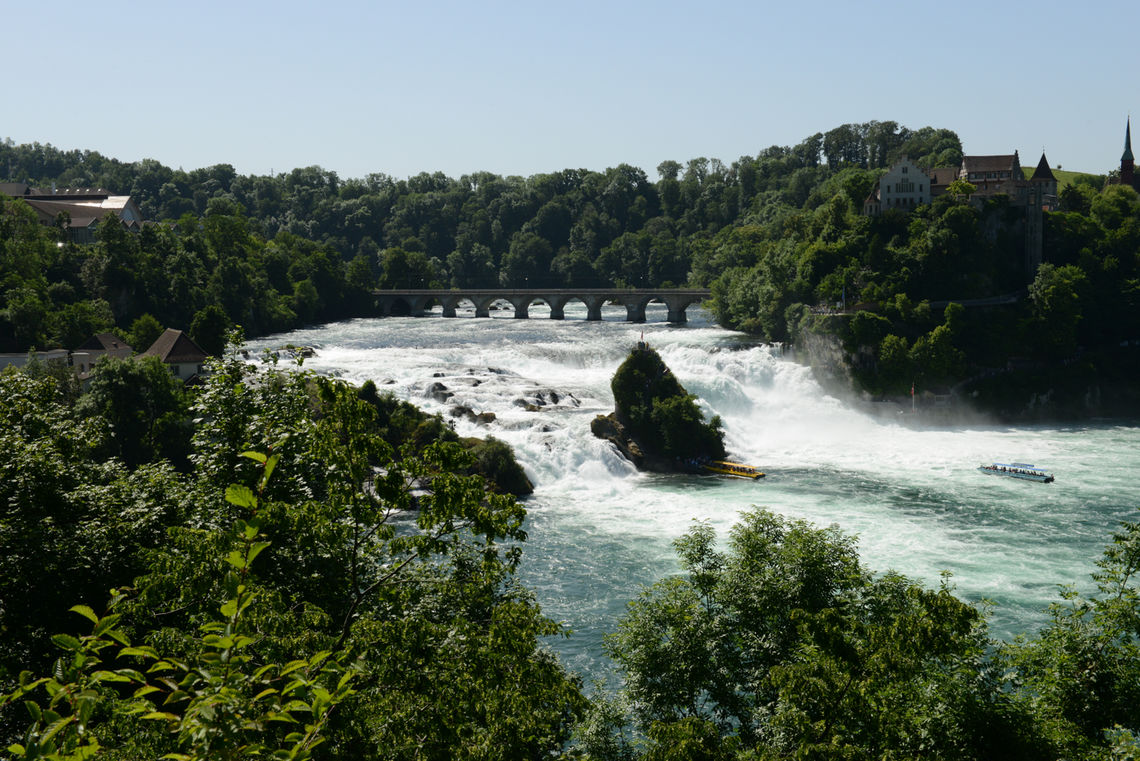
(657, 425)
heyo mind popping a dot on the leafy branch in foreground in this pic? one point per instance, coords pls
(219, 704)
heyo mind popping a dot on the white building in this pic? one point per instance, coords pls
(904, 187)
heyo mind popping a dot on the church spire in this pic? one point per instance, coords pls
(1127, 165)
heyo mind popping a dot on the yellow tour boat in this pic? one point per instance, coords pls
(733, 469)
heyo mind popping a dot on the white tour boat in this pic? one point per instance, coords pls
(1017, 470)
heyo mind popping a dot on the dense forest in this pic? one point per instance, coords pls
(279, 565)
(779, 237)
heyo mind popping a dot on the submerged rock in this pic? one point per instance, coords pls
(439, 392)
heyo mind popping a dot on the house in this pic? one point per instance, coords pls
(96, 347)
(185, 358)
(83, 208)
(904, 186)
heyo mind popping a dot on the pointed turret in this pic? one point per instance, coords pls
(1127, 165)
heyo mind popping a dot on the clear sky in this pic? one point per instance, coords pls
(519, 88)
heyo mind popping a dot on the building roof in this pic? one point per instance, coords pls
(174, 346)
(1002, 163)
(1127, 141)
(81, 215)
(1043, 172)
(104, 342)
(942, 175)
(85, 206)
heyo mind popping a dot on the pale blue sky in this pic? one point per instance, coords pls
(528, 87)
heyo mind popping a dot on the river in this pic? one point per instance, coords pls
(598, 530)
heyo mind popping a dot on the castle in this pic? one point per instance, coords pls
(906, 186)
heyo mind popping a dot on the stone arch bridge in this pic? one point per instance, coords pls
(414, 302)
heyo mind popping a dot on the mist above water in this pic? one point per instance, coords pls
(599, 529)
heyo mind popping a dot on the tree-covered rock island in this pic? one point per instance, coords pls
(656, 424)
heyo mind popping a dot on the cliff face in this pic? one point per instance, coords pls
(656, 424)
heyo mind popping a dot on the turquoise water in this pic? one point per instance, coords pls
(599, 530)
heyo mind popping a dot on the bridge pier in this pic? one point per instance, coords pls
(593, 307)
(449, 305)
(677, 306)
(635, 309)
(522, 307)
(557, 307)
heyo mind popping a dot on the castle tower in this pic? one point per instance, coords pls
(1043, 176)
(1127, 163)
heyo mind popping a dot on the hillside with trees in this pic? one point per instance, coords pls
(779, 237)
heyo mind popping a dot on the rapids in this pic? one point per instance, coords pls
(599, 530)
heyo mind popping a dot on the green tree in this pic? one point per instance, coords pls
(785, 646)
(895, 372)
(73, 523)
(144, 331)
(1079, 677)
(405, 269)
(209, 329)
(961, 189)
(72, 324)
(1056, 294)
(144, 406)
(217, 702)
